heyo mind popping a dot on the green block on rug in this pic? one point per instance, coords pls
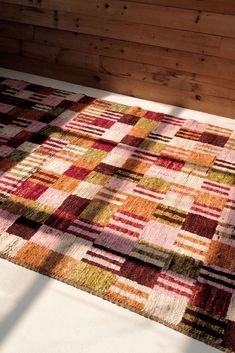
(98, 212)
(93, 278)
(221, 177)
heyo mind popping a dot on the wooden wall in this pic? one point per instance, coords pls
(180, 52)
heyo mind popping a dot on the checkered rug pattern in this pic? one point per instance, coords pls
(135, 206)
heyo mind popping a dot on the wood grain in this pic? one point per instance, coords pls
(215, 6)
(173, 51)
(122, 85)
(92, 25)
(142, 13)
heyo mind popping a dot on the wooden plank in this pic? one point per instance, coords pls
(228, 48)
(26, 15)
(163, 53)
(38, 51)
(157, 15)
(125, 68)
(217, 6)
(16, 30)
(50, 54)
(78, 59)
(198, 84)
(169, 58)
(146, 34)
(123, 85)
(9, 45)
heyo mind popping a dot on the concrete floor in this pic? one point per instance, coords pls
(42, 315)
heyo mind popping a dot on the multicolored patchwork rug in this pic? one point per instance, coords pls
(134, 206)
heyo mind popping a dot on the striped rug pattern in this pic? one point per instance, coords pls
(134, 206)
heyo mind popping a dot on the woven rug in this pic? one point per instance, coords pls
(134, 206)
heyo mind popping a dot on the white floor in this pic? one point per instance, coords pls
(41, 315)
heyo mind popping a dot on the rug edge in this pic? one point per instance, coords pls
(99, 295)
